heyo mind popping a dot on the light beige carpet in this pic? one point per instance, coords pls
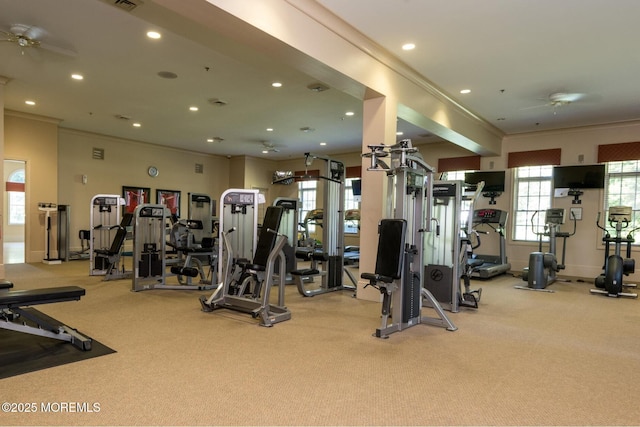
(523, 358)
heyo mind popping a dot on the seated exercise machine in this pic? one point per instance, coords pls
(150, 252)
(610, 282)
(492, 265)
(109, 259)
(192, 257)
(543, 267)
(327, 262)
(448, 252)
(15, 314)
(261, 270)
(400, 259)
(106, 214)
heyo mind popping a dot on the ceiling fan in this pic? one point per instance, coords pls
(28, 37)
(558, 99)
(268, 147)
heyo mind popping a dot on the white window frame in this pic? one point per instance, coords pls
(308, 196)
(16, 199)
(350, 202)
(532, 191)
(622, 188)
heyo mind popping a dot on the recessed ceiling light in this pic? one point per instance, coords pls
(193, 108)
(153, 35)
(269, 129)
(209, 139)
(136, 125)
(323, 143)
(77, 76)
(276, 84)
(465, 91)
(408, 46)
(399, 133)
(349, 113)
(265, 151)
(29, 102)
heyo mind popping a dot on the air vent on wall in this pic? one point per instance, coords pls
(98, 153)
(199, 168)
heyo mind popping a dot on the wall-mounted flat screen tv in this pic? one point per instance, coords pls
(493, 180)
(578, 177)
(356, 187)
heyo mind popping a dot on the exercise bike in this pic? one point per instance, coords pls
(610, 282)
(543, 267)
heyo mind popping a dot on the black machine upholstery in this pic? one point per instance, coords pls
(120, 237)
(266, 238)
(23, 298)
(391, 242)
(17, 315)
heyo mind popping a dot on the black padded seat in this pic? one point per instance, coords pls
(22, 298)
(390, 255)
(5, 284)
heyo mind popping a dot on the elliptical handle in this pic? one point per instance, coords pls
(575, 222)
(598, 223)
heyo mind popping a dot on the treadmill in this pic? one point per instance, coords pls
(492, 265)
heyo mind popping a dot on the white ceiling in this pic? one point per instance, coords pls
(512, 54)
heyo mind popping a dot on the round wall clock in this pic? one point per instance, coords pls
(153, 171)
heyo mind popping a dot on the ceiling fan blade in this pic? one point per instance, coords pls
(535, 106)
(60, 50)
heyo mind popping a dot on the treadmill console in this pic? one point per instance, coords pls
(490, 216)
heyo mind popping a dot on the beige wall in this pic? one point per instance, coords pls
(34, 140)
(125, 164)
(585, 253)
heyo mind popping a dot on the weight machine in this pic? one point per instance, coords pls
(201, 208)
(288, 227)
(149, 251)
(260, 270)
(610, 282)
(447, 263)
(400, 258)
(106, 212)
(543, 267)
(328, 261)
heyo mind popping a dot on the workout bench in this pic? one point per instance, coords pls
(14, 305)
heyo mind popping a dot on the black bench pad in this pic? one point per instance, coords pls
(22, 298)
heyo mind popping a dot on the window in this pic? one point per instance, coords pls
(307, 194)
(532, 193)
(351, 226)
(466, 204)
(15, 196)
(622, 190)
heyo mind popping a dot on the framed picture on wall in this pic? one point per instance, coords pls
(171, 199)
(134, 196)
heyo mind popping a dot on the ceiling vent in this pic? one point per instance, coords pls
(127, 5)
(217, 102)
(97, 153)
(199, 168)
(317, 87)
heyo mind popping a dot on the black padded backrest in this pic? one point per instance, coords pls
(267, 239)
(391, 247)
(118, 240)
(127, 220)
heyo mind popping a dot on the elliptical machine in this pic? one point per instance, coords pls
(610, 282)
(543, 267)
